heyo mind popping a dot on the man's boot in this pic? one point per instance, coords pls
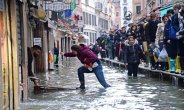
(158, 66)
(178, 67)
(182, 65)
(147, 61)
(163, 65)
(81, 80)
(168, 65)
(152, 63)
(173, 66)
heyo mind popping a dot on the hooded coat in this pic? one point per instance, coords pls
(132, 53)
(85, 55)
(159, 34)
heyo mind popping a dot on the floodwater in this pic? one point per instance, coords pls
(126, 93)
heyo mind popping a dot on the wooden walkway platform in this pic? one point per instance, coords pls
(176, 78)
(38, 89)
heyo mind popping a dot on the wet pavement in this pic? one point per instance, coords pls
(126, 93)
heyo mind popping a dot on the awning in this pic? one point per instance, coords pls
(85, 36)
(157, 8)
(82, 38)
(164, 11)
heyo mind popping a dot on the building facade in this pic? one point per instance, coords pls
(161, 5)
(97, 17)
(136, 10)
(143, 8)
(117, 14)
(126, 12)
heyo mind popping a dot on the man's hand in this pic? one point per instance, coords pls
(22, 84)
(85, 66)
(106, 46)
(88, 67)
(156, 46)
(150, 45)
(168, 41)
(126, 64)
(62, 53)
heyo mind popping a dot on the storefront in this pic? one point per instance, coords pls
(9, 56)
(164, 10)
(3, 79)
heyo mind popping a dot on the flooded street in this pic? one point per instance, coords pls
(126, 93)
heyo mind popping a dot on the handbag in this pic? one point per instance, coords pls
(163, 56)
(181, 31)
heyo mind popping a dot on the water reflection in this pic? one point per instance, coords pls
(126, 93)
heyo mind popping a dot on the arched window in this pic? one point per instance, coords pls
(125, 9)
(125, 1)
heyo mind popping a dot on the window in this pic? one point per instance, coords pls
(95, 20)
(105, 10)
(125, 9)
(117, 14)
(125, 1)
(84, 17)
(89, 19)
(92, 20)
(87, 2)
(138, 9)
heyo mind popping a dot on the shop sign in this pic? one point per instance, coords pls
(1, 5)
(75, 29)
(57, 6)
(38, 41)
(80, 23)
(51, 24)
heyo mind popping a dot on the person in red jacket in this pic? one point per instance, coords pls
(91, 64)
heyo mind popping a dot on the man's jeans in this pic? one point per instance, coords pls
(110, 53)
(98, 72)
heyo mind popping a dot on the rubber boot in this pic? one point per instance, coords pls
(152, 63)
(147, 61)
(182, 65)
(173, 66)
(163, 65)
(178, 67)
(81, 80)
(169, 67)
(158, 66)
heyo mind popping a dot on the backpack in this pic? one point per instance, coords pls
(95, 49)
(172, 32)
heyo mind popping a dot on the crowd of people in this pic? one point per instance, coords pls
(157, 41)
